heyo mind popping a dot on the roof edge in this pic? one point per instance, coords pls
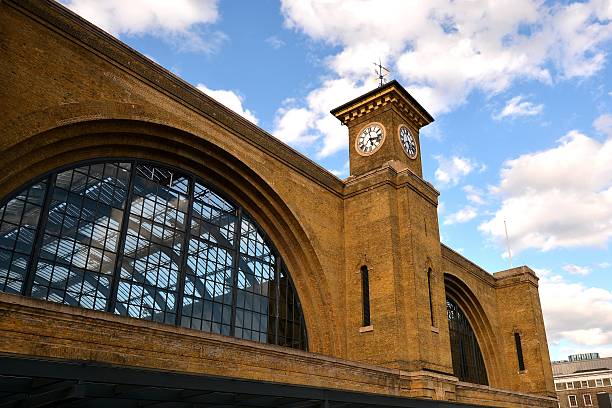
(64, 21)
(391, 84)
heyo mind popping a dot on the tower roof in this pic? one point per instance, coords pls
(390, 92)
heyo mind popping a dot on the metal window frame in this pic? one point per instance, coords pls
(50, 179)
(467, 358)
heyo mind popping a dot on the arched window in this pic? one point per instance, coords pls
(468, 364)
(147, 241)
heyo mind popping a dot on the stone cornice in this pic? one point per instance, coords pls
(501, 279)
(514, 276)
(389, 174)
(392, 93)
(469, 266)
(71, 26)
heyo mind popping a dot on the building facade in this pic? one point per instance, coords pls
(145, 227)
(583, 380)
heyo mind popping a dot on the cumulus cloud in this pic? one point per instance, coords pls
(453, 169)
(517, 106)
(443, 50)
(465, 214)
(575, 312)
(312, 125)
(231, 100)
(181, 22)
(576, 269)
(556, 198)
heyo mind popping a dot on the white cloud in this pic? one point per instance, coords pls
(519, 107)
(603, 124)
(556, 198)
(343, 172)
(588, 337)
(574, 312)
(312, 125)
(443, 50)
(604, 265)
(180, 22)
(452, 169)
(576, 269)
(275, 42)
(465, 214)
(441, 207)
(474, 195)
(432, 131)
(230, 99)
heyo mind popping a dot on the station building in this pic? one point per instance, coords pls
(156, 247)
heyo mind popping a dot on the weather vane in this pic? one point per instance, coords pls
(381, 73)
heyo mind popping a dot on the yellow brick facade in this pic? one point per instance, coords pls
(70, 92)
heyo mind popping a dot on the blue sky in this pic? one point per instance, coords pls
(521, 91)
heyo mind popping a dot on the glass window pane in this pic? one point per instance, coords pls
(154, 244)
(468, 364)
(18, 225)
(227, 280)
(79, 246)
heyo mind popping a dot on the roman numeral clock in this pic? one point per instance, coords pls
(384, 129)
(370, 139)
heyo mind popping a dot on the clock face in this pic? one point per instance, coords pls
(370, 139)
(408, 142)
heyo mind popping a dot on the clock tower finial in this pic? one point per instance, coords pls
(384, 128)
(381, 73)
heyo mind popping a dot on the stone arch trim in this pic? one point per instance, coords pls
(459, 291)
(36, 154)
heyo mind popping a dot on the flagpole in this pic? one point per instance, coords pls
(508, 244)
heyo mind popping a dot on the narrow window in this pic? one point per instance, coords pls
(599, 382)
(519, 351)
(365, 291)
(431, 313)
(573, 402)
(588, 402)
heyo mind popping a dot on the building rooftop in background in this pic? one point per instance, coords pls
(575, 365)
(583, 356)
(583, 380)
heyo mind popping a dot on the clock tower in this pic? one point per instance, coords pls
(384, 129)
(391, 230)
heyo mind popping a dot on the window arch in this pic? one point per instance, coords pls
(148, 241)
(468, 364)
